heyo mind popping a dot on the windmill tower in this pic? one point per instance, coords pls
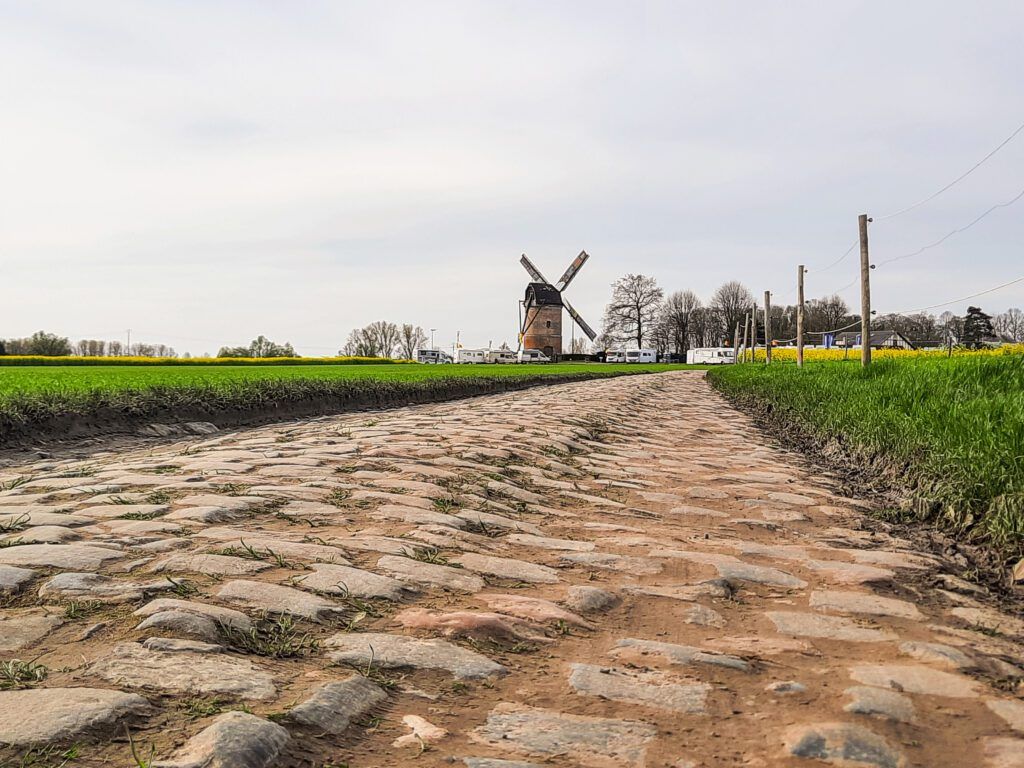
(540, 326)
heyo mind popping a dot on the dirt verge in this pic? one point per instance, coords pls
(892, 489)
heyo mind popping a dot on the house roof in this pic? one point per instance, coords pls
(878, 338)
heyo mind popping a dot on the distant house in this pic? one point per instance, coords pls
(879, 340)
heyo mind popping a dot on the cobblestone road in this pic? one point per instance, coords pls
(608, 573)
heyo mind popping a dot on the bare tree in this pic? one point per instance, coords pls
(359, 344)
(378, 339)
(90, 348)
(386, 335)
(951, 325)
(1010, 325)
(707, 328)
(827, 313)
(634, 307)
(412, 339)
(676, 316)
(732, 301)
(578, 346)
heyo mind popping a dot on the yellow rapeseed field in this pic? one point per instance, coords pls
(788, 354)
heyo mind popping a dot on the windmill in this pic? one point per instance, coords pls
(540, 324)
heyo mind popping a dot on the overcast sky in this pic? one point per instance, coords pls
(202, 172)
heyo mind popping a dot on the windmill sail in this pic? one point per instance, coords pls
(579, 320)
(534, 272)
(570, 273)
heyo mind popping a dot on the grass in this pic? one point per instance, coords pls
(249, 552)
(21, 674)
(78, 610)
(950, 430)
(63, 380)
(49, 756)
(14, 524)
(278, 638)
(33, 396)
(429, 555)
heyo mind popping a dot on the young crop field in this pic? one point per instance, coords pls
(19, 380)
(46, 399)
(949, 432)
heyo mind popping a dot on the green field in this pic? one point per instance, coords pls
(950, 432)
(31, 379)
(44, 400)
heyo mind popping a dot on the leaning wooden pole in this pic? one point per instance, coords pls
(767, 327)
(743, 347)
(753, 334)
(800, 316)
(865, 292)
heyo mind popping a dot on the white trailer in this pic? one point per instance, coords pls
(501, 356)
(710, 356)
(474, 356)
(533, 356)
(615, 356)
(432, 356)
(641, 356)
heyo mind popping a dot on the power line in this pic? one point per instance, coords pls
(834, 263)
(835, 330)
(957, 180)
(823, 333)
(964, 228)
(962, 298)
(932, 196)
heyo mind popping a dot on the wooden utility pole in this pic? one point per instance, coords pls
(743, 348)
(736, 341)
(767, 327)
(800, 316)
(865, 292)
(753, 334)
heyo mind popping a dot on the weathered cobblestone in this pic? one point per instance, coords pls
(608, 574)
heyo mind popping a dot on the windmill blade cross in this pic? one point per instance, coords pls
(534, 272)
(579, 320)
(573, 269)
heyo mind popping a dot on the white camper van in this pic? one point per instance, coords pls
(501, 356)
(710, 356)
(641, 356)
(533, 356)
(615, 356)
(476, 356)
(432, 356)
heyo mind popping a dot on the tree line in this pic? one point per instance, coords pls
(52, 345)
(640, 314)
(385, 339)
(379, 339)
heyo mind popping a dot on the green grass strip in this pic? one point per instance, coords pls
(954, 428)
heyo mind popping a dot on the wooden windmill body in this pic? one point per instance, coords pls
(541, 321)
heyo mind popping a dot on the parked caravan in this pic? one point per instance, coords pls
(501, 356)
(615, 356)
(432, 356)
(533, 356)
(476, 356)
(711, 356)
(641, 356)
